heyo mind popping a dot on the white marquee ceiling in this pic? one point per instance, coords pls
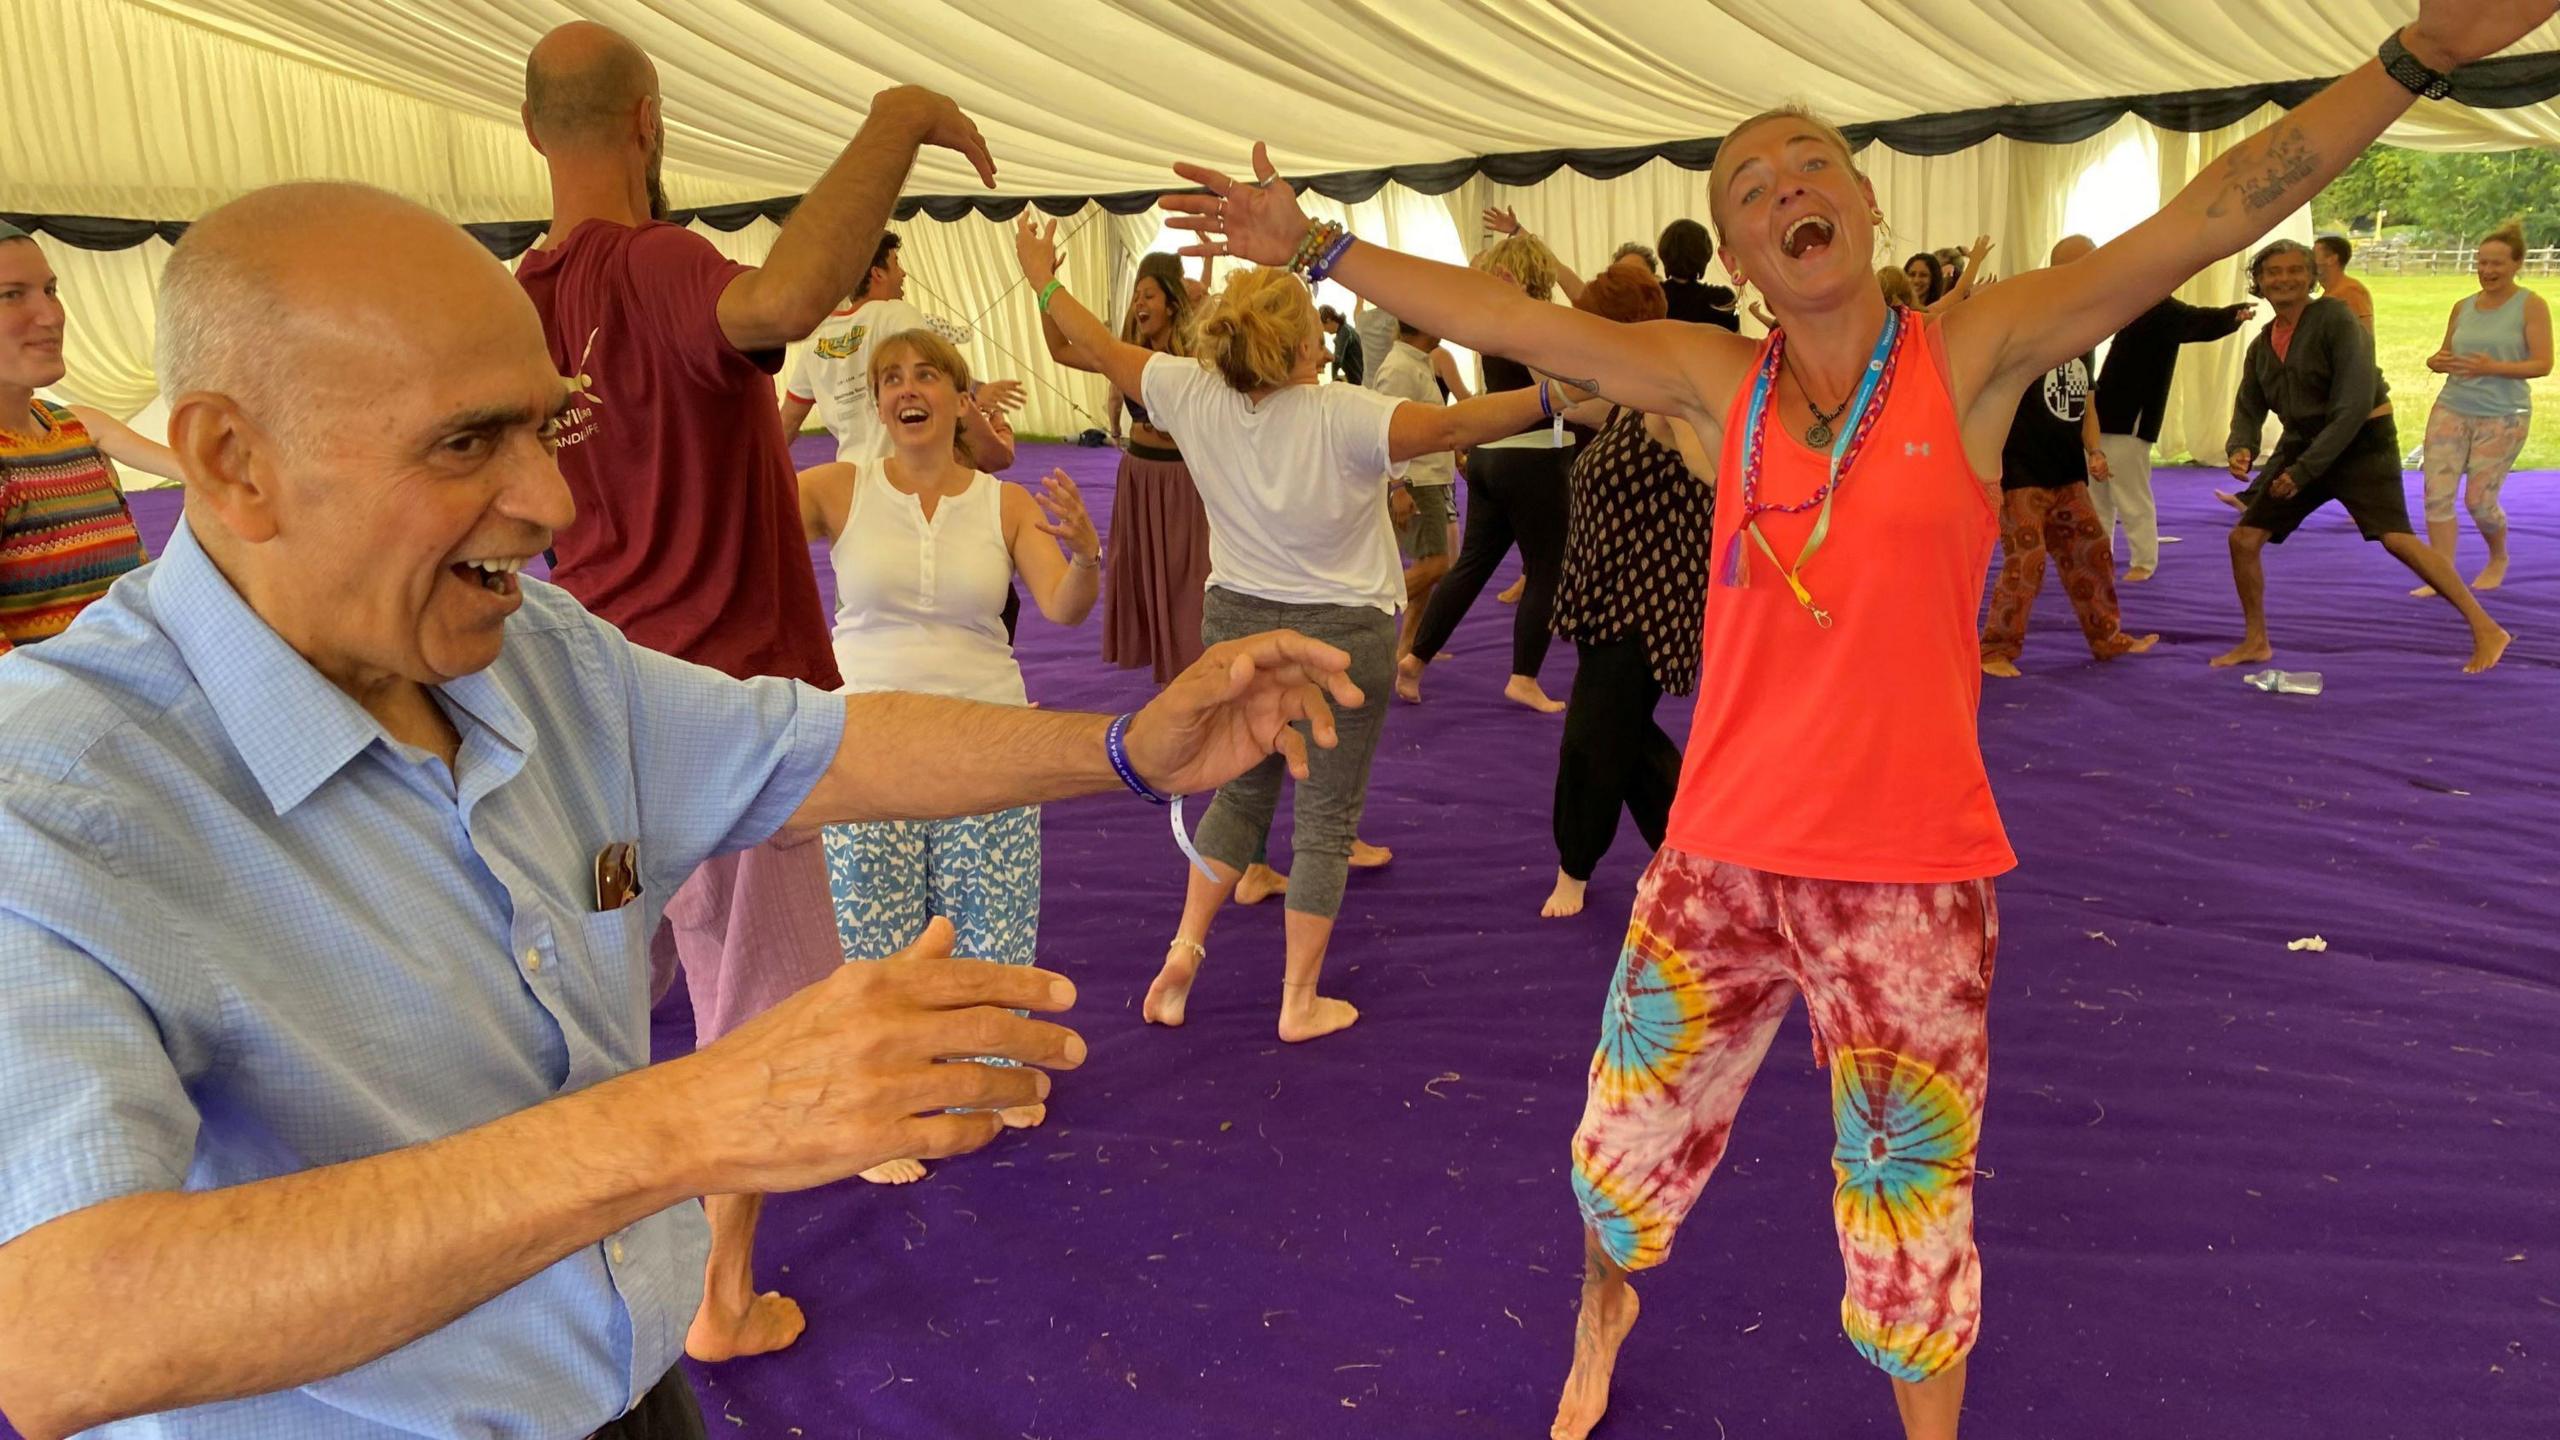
(1087, 96)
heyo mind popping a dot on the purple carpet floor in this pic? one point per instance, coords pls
(2229, 1187)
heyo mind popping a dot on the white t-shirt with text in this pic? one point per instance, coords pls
(1406, 375)
(834, 373)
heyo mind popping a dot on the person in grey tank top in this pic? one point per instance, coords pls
(2496, 343)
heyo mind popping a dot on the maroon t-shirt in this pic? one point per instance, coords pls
(688, 533)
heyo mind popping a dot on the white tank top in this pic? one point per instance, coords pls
(920, 603)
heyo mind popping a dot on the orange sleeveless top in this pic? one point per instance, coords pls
(1850, 753)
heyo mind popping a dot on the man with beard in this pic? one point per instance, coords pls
(689, 536)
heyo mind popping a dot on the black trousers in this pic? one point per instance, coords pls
(1512, 496)
(1613, 756)
(667, 1412)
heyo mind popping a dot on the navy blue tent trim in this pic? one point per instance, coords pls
(2500, 84)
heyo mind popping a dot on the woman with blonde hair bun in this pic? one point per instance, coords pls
(1296, 479)
(1834, 835)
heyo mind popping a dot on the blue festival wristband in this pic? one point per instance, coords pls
(1331, 257)
(1115, 743)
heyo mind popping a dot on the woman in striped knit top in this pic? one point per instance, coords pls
(65, 532)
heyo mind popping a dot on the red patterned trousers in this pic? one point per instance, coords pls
(2063, 523)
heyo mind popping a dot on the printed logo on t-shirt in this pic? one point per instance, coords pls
(842, 347)
(2066, 391)
(579, 420)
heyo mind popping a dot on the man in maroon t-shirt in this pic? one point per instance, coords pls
(688, 533)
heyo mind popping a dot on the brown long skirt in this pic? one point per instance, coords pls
(1159, 565)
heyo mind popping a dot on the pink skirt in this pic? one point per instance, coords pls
(1159, 566)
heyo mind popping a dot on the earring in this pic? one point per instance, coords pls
(1875, 217)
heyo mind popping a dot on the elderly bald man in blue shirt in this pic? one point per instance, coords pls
(332, 851)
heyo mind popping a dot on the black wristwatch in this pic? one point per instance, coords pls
(2412, 73)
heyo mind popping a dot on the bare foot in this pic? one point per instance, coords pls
(2247, 652)
(1258, 883)
(1444, 657)
(2485, 653)
(2424, 592)
(1511, 593)
(1596, 1338)
(1566, 899)
(1314, 1016)
(1524, 690)
(2491, 576)
(1409, 680)
(1023, 1117)
(2137, 574)
(1365, 856)
(2231, 499)
(896, 1172)
(2135, 644)
(2005, 669)
(768, 1323)
(1172, 989)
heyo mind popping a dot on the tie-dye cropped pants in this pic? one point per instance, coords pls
(1896, 979)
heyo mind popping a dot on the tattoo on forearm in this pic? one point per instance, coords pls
(2257, 177)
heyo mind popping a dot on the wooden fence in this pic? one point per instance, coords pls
(2396, 260)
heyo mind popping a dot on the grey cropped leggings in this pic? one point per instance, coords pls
(1329, 801)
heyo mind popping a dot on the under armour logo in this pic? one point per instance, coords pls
(1915, 447)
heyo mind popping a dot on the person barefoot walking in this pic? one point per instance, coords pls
(2495, 344)
(1295, 477)
(1834, 835)
(2313, 366)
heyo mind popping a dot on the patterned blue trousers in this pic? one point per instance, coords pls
(980, 872)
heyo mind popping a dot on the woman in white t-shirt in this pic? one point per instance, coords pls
(925, 548)
(1295, 477)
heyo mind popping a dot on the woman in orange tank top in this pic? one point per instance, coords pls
(1834, 834)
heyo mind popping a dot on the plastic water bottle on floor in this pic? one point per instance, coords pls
(2286, 682)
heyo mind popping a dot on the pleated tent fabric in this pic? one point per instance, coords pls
(128, 118)
(1086, 98)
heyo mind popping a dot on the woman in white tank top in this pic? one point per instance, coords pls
(926, 548)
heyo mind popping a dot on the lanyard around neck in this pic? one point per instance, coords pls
(1852, 436)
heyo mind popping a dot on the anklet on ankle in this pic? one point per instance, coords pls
(1297, 984)
(1198, 950)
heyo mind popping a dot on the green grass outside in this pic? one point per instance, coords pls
(2409, 314)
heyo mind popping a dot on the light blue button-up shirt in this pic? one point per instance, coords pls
(243, 933)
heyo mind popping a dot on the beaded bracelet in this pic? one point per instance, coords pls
(1306, 246)
(1332, 256)
(1320, 233)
